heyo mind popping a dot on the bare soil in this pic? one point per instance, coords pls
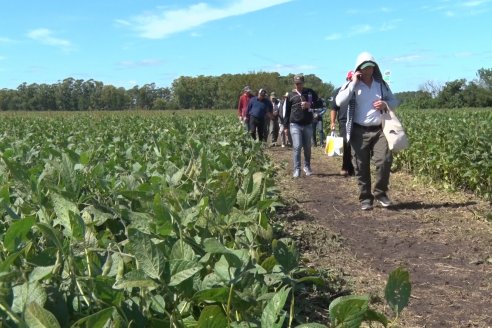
(443, 239)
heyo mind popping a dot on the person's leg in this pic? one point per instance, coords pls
(347, 165)
(313, 128)
(295, 131)
(262, 135)
(252, 127)
(281, 134)
(360, 141)
(383, 158)
(275, 129)
(307, 135)
(321, 133)
(266, 128)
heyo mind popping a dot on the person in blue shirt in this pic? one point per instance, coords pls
(259, 108)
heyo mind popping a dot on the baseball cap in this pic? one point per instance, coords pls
(298, 78)
(367, 64)
(349, 75)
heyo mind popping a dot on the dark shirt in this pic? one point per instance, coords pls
(295, 113)
(341, 112)
(259, 108)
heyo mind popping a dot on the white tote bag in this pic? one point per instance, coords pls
(394, 132)
(334, 145)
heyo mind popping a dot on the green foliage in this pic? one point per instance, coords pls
(450, 147)
(351, 311)
(140, 220)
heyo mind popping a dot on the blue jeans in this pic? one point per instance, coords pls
(301, 138)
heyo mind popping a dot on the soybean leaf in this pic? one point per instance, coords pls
(38, 317)
(181, 270)
(163, 217)
(212, 317)
(135, 279)
(224, 193)
(372, 315)
(182, 251)
(27, 293)
(218, 295)
(398, 288)
(286, 255)
(63, 207)
(348, 311)
(273, 309)
(150, 258)
(17, 233)
(97, 320)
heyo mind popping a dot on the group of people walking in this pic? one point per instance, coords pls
(357, 105)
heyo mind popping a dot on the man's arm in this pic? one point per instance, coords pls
(333, 117)
(344, 95)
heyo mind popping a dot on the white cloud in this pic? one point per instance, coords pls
(360, 29)
(168, 22)
(390, 25)
(45, 36)
(5, 40)
(333, 37)
(475, 3)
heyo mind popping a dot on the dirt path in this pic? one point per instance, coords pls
(441, 238)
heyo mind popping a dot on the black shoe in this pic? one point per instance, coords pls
(384, 200)
(366, 205)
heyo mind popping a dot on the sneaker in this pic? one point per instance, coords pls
(308, 171)
(366, 205)
(384, 200)
(297, 173)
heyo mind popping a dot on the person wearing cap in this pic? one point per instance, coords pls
(340, 114)
(299, 112)
(285, 137)
(367, 97)
(274, 127)
(242, 107)
(259, 108)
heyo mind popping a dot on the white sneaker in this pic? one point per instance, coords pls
(297, 173)
(308, 170)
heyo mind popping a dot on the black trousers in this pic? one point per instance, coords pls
(257, 128)
(347, 164)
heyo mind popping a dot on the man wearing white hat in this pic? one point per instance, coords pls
(367, 96)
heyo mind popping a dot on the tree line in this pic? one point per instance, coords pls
(219, 92)
(202, 92)
(453, 94)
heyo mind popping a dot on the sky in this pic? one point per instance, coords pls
(130, 43)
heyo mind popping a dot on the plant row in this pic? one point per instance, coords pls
(147, 221)
(450, 147)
